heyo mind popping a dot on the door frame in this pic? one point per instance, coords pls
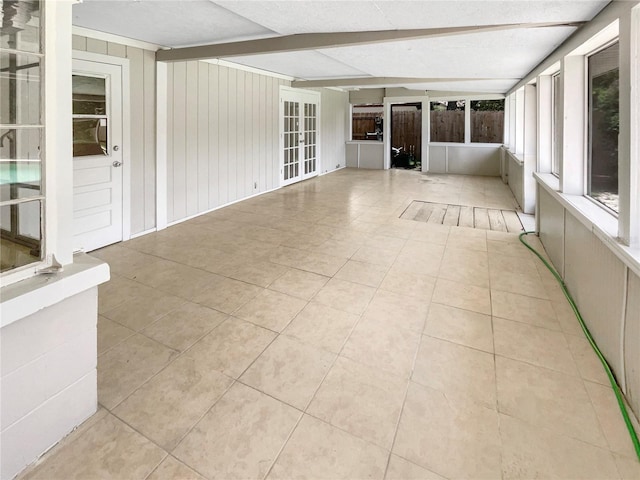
(126, 130)
(318, 95)
(386, 135)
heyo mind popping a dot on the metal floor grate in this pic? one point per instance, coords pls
(464, 216)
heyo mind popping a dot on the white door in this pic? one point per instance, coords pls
(97, 154)
(299, 123)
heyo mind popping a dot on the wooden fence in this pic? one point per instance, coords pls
(406, 129)
(448, 126)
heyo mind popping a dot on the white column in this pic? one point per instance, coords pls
(572, 168)
(544, 123)
(629, 137)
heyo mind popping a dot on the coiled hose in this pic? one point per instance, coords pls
(607, 369)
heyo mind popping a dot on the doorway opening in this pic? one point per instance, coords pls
(406, 135)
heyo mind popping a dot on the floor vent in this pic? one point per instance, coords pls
(463, 216)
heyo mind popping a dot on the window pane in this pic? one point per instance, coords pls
(487, 121)
(89, 95)
(89, 136)
(604, 126)
(19, 180)
(20, 235)
(366, 122)
(20, 25)
(20, 144)
(447, 121)
(20, 87)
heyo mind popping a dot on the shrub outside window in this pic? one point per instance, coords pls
(603, 75)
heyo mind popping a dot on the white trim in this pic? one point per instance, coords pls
(239, 66)
(633, 217)
(176, 222)
(331, 171)
(123, 63)
(110, 37)
(161, 145)
(435, 96)
(386, 129)
(25, 298)
(602, 224)
(141, 234)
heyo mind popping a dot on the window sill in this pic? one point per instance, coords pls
(597, 220)
(521, 159)
(27, 297)
(462, 144)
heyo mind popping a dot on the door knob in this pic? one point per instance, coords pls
(117, 164)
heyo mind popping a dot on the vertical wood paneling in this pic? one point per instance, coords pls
(136, 102)
(96, 46)
(232, 115)
(179, 141)
(241, 178)
(117, 50)
(191, 139)
(248, 117)
(223, 136)
(170, 130)
(256, 127)
(334, 107)
(551, 216)
(631, 343)
(595, 278)
(214, 155)
(149, 144)
(273, 122)
(203, 136)
(265, 131)
(79, 43)
(223, 139)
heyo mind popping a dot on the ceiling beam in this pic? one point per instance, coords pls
(380, 81)
(313, 41)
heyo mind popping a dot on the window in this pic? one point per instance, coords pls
(447, 121)
(556, 124)
(602, 171)
(21, 135)
(366, 122)
(89, 116)
(487, 121)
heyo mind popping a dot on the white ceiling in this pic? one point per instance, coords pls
(495, 60)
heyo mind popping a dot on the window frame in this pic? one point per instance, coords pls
(588, 127)
(467, 117)
(56, 150)
(25, 271)
(556, 135)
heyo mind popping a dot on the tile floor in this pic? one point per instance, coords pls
(311, 333)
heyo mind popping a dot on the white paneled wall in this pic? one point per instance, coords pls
(605, 289)
(143, 126)
(49, 381)
(334, 126)
(222, 143)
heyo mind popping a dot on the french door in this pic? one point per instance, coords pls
(299, 124)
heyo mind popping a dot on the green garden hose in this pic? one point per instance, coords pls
(607, 369)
